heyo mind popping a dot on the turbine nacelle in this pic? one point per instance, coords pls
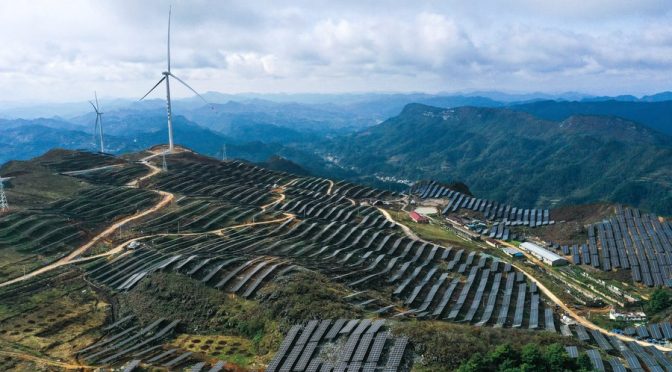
(165, 77)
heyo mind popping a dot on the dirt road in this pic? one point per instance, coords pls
(167, 198)
(407, 230)
(42, 361)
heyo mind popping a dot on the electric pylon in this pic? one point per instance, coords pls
(164, 166)
(3, 198)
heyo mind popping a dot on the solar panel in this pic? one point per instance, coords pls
(520, 306)
(616, 365)
(306, 356)
(319, 332)
(492, 300)
(549, 321)
(506, 301)
(476, 302)
(446, 297)
(595, 359)
(284, 347)
(363, 325)
(534, 312)
(396, 354)
(601, 341)
(346, 352)
(572, 351)
(377, 348)
(455, 310)
(565, 331)
(178, 360)
(581, 333)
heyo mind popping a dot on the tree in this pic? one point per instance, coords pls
(531, 357)
(660, 300)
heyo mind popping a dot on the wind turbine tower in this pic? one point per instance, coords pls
(3, 198)
(166, 76)
(99, 123)
(164, 165)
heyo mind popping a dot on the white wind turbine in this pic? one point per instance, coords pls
(99, 123)
(166, 77)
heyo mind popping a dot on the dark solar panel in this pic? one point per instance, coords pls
(396, 354)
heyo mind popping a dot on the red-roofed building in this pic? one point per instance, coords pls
(417, 217)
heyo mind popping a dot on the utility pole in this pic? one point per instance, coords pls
(3, 198)
(164, 165)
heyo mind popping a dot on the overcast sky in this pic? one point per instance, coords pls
(63, 50)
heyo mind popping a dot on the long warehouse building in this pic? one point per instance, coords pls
(544, 255)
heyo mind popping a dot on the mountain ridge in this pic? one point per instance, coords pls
(508, 155)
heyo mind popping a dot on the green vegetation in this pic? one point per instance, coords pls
(579, 160)
(660, 300)
(306, 295)
(528, 358)
(446, 346)
(433, 231)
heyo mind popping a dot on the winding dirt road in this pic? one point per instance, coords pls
(167, 198)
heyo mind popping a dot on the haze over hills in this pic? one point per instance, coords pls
(552, 156)
(515, 157)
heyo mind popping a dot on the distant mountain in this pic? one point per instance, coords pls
(512, 156)
(654, 114)
(278, 163)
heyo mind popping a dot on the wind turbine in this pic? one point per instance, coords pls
(99, 123)
(166, 76)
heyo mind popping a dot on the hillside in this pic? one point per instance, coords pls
(226, 264)
(515, 157)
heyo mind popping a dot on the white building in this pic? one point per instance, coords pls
(630, 316)
(544, 255)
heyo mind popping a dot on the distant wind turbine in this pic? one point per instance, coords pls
(166, 77)
(99, 123)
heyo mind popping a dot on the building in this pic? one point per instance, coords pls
(417, 217)
(513, 252)
(629, 316)
(543, 254)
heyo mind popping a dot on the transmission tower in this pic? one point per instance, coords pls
(164, 166)
(3, 198)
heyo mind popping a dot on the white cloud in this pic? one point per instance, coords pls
(64, 50)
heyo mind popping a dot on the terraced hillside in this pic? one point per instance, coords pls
(227, 265)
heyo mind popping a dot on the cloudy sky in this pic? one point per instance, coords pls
(63, 50)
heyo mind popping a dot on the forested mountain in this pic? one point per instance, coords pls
(516, 157)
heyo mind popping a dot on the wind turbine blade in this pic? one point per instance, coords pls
(97, 105)
(170, 9)
(154, 87)
(94, 107)
(190, 88)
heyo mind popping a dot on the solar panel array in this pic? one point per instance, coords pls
(353, 345)
(128, 340)
(633, 241)
(619, 353)
(493, 211)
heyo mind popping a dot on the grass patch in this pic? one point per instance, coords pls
(433, 231)
(445, 346)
